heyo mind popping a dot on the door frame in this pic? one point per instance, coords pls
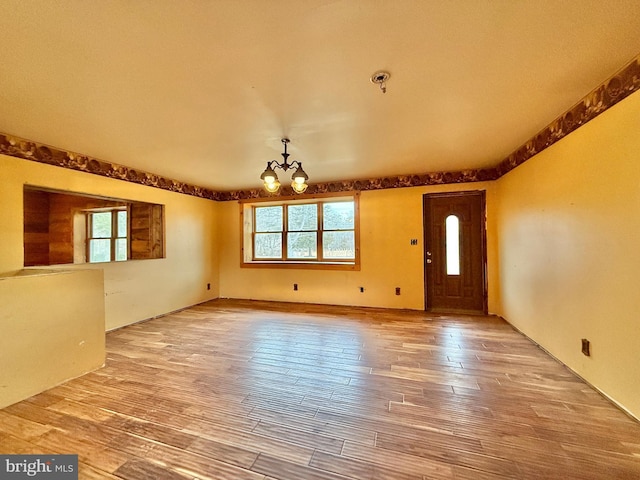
(483, 237)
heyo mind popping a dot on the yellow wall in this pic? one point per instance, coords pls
(568, 225)
(138, 289)
(389, 219)
(563, 231)
(47, 336)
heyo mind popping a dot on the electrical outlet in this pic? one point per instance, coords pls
(361, 289)
(397, 290)
(414, 241)
(295, 286)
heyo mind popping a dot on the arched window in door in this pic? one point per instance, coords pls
(452, 245)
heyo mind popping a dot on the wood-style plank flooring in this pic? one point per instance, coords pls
(257, 390)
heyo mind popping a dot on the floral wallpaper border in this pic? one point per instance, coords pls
(436, 178)
(29, 150)
(615, 89)
(619, 86)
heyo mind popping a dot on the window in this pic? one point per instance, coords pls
(452, 227)
(267, 239)
(107, 236)
(305, 233)
(63, 227)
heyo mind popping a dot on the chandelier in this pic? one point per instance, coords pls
(298, 179)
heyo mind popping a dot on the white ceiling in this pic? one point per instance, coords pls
(203, 91)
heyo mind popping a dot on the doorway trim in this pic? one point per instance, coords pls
(483, 238)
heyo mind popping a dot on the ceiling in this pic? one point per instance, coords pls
(203, 91)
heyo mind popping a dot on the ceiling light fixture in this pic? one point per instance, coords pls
(380, 78)
(298, 179)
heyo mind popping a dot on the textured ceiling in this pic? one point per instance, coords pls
(202, 91)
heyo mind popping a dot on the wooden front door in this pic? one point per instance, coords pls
(455, 252)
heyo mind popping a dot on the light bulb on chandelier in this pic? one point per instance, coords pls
(298, 179)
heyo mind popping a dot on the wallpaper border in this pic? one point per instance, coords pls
(619, 86)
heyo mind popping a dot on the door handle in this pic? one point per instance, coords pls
(428, 260)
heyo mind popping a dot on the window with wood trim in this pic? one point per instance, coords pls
(107, 238)
(63, 227)
(314, 232)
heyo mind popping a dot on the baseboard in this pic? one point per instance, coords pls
(160, 315)
(618, 405)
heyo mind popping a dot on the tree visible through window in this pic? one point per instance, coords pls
(302, 236)
(107, 236)
(338, 231)
(318, 231)
(268, 236)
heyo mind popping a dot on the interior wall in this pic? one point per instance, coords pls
(137, 289)
(568, 221)
(389, 219)
(52, 324)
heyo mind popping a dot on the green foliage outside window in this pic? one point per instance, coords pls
(107, 239)
(316, 232)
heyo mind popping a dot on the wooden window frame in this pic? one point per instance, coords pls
(248, 221)
(114, 233)
(55, 226)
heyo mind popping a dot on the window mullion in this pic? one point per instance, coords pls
(127, 238)
(285, 233)
(114, 234)
(89, 237)
(253, 243)
(319, 232)
(253, 233)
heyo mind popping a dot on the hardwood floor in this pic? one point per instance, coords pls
(257, 390)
